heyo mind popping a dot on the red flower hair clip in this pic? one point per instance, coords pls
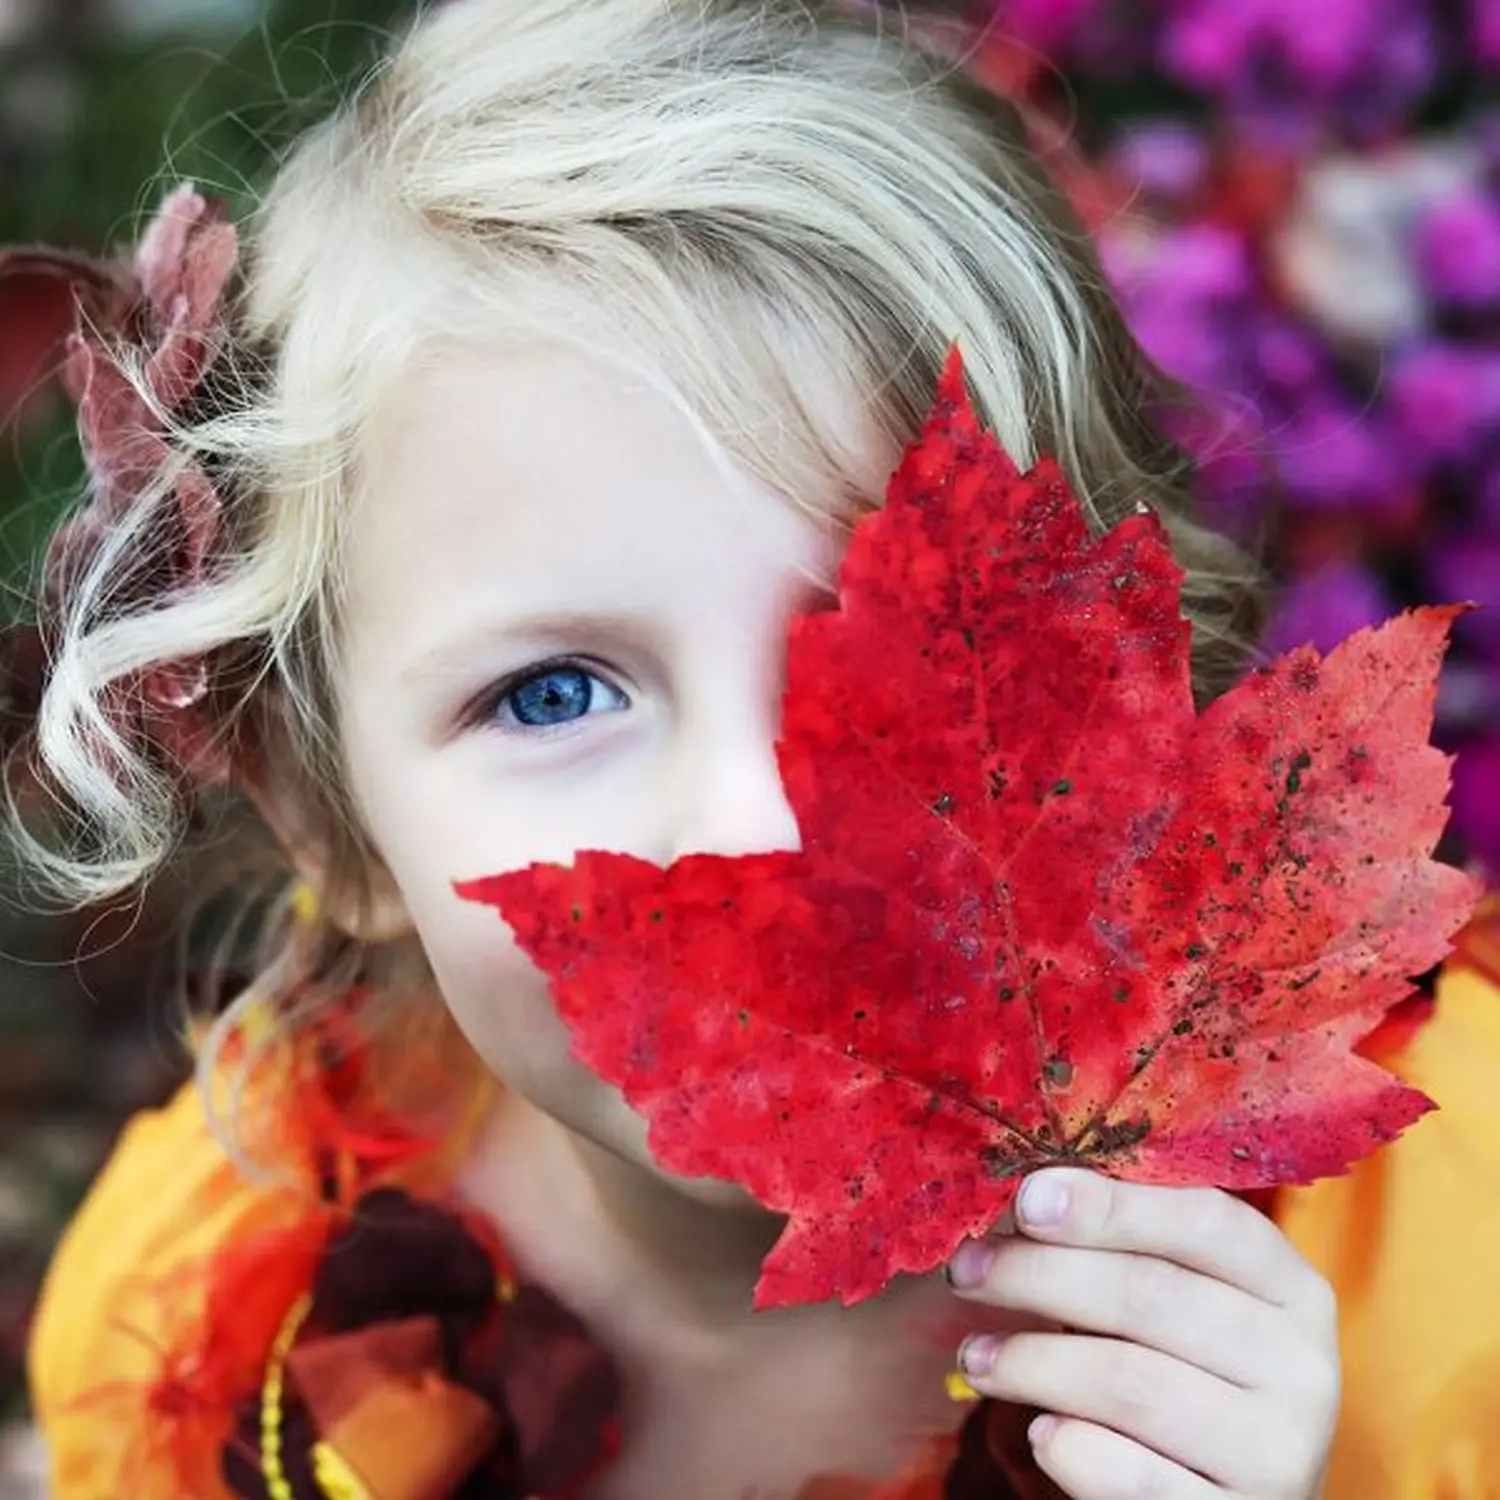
(167, 301)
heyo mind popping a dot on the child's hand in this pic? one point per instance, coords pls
(1205, 1361)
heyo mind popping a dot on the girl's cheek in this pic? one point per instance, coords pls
(498, 998)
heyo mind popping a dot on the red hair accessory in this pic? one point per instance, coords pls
(167, 301)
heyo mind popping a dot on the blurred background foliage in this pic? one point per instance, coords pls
(1299, 201)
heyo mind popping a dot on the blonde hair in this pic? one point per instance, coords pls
(775, 179)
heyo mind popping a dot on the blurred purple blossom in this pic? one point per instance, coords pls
(1332, 453)
(1444, 399)
(1288, 357)
(1485, 31)
(1047, 25)
(1325, 607)
(1164, 159)
(1465, 567)
(1487, 499)
(1286, 68)
(1476, 801)
(1186, 291)
(1111, 37)
(1458, 249)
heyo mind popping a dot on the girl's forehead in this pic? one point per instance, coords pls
(547, 479)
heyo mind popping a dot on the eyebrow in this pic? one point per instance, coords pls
(454, 655)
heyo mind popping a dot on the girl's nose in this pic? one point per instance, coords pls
(731, 801)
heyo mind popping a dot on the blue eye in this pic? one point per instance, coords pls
(548, 696)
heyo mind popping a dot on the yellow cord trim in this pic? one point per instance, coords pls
(334, 1477)
(278, 1487)
(958, 1388)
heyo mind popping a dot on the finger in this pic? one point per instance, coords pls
(1174, 1409)
(1203, 1229)
(1150, 1301)
(1090, 1462)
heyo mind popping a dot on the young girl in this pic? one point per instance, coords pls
(467, 536)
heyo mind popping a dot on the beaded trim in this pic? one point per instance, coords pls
(278, 1487)
(335, 1477)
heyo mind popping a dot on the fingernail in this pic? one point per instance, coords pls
(1042, 1428)
(970, 1263)
(1043, 1202)
(977, 1353)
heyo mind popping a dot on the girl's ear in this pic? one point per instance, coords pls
(356, 895)
(368, 906)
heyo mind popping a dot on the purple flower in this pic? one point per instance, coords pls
(1485, 31)
(1165, 159)
(1288, 357)
(1332, 454)
(1047, 25)
(1187, 293)
(1285, 67)
(1444, 399)
(1325, 607)
(1458, 249)
(1207, 44)
(1465, 568)
(1487, 502)
(1208, 261)
(1476, 801)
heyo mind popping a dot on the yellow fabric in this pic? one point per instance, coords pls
(1411, 1241)
(168, 1196)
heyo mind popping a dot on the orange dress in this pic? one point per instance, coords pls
(1410, 1239)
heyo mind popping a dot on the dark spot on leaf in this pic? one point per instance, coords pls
(995, 782)
(997, 1165)
(968, 636)
(944, 804)
(744, 1017)
(1062, 788)
(657, 916)
(577, 913)
(1109, 1138)
(1196, 950)
(1006, 992)
(1294, 777)
(1182, 1027)
(859, 1015)
(1122, 993)
(1058, 1072)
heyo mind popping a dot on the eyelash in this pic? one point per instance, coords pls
(486, 712)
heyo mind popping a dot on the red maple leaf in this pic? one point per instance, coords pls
(1043, 911)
